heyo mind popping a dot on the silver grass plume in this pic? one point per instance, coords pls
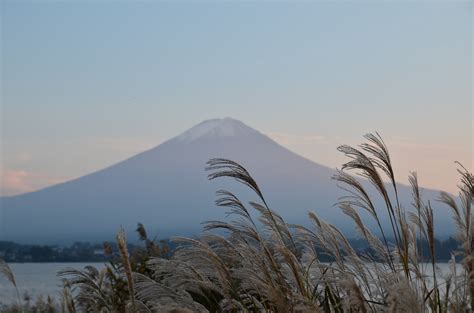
(464, 220)
(6, 271)
(122, 245)
(402, 298)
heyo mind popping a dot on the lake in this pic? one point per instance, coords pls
(36, 279)
(40, 279)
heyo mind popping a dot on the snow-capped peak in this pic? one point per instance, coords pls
(224, 127)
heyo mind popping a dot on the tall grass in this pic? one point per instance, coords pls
(276, 267)
(256, 262)
(6, 272)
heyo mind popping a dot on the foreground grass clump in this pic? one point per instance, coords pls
(267, 265)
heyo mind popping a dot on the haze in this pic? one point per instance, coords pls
(167, 188)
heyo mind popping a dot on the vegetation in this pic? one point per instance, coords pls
(265, 264)
(94, 253)
(77, 252)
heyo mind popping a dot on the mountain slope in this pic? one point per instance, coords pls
(166, 188)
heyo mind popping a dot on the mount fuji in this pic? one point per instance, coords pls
(166, 189)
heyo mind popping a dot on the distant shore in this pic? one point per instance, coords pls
(13, 252)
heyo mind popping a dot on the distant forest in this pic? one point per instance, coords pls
(93, 252)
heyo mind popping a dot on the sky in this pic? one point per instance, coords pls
(85, 84)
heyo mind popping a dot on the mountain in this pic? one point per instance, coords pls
(166, 188)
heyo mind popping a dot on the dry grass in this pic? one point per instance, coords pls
(6, 271)
(276, 267)
(263, 264)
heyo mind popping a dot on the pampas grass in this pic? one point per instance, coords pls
(256, 262)
(122, 245)
(6, 271)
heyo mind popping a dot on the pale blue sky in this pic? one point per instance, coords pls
(87, 83)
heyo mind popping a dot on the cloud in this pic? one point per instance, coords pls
(411, 143)
(14, 182)
(23, 157)
(18, 159)
(434, 161)
(291, 139)
(122, 144)
(17, 176)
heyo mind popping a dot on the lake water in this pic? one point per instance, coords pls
(40, 279)
(36, 279)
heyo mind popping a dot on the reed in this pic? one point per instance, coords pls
(256, 262)
(264, 264)
(6, 271)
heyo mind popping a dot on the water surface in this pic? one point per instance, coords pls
(36, 279)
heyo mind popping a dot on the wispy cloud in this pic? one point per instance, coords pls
(122, 144)
(14, 181)
(412, 143)
(22, 172)
(434, 161)
(23, 157)
(292, 139)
